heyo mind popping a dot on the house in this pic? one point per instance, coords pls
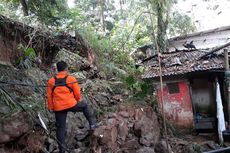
(189, 78)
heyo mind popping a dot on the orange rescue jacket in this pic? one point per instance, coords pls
(62, 98)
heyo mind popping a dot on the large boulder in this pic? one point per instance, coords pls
(75, 61)
(147, 130)
(16, 122)
(14, 127)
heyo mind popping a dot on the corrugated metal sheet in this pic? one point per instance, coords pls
(182, 62)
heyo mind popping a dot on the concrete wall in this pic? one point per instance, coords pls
(203, 97)
(202, 40)
(177, 106)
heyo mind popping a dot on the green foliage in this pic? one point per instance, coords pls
(26, 53)
(48, 12)
(128, 27)
(130, 81)
(114, 70)
(110, 59)
(76, 18)
(99, 43)
(6, 99)
(8, 9)
(139, 88)
(180, 24)
(29, 52)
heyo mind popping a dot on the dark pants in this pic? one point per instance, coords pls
(61, 121)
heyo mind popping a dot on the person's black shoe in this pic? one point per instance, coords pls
(94, 126)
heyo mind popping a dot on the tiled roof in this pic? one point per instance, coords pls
(182, 62)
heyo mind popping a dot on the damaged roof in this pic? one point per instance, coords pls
(182, 62)
(206, 55)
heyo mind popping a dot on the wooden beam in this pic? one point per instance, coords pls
(226, 60)
(215, 50)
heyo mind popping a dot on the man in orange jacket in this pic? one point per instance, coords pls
(64, 95)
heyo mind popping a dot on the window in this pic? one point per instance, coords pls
(173, 88)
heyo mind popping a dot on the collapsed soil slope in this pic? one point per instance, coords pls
(47, 45)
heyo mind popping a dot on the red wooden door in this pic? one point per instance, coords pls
(177, 103)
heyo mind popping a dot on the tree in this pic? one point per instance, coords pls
(162, 9)
(24, 7)
(50, 12)
(125, 28)
(102, 3)
(180, 24)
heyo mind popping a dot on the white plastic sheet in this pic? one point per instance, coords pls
(220, 114)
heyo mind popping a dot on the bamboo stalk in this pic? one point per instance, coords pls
(161, 86)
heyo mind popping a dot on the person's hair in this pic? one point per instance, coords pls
(61, 66)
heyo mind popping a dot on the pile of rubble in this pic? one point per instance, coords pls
(131, 129)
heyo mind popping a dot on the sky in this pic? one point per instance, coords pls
(70, 3)
(206, 14)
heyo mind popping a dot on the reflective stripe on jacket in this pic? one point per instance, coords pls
(62, 98)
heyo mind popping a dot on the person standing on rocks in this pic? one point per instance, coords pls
(64, 95)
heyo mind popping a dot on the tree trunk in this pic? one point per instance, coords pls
(102, 3)
(24, 7)
(161, 28)
(121, 3)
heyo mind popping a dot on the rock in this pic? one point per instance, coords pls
(139, 113)
(102, 100)
(146, 150)
(2, 150)
(131, 144)
(161, 147)
(82, 136)
(74, 61)
(14, 127)
(4, 138)
(33, 142)
(112, 121)
(123, 130)
(76, 125)
(77, 150)
(118, 87)
(130, 134)
(126, 108)
(112, 115)
(3, 108)
(194, 148)
(51, 144)
(107, 136)
(210, 144)
(39, 77)
(79, 75)
(118, 98)
(147, 129)
(124, 114)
